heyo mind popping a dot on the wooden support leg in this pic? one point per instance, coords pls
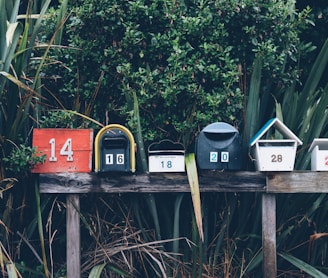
(73, 254)
(269, 235)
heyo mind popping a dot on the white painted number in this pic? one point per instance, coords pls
(65, 150)
(213, 157)
(52, 143)
(109, 159)
(224, 156)
(120, 158)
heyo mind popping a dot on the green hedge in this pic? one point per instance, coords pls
(187, 62)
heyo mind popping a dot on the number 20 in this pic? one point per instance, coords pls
(65, 150)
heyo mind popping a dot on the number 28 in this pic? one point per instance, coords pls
(276, 158)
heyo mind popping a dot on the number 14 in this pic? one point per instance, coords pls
(65, 150)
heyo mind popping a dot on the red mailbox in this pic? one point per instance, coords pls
(66, 150)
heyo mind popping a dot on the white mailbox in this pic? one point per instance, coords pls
(319, 154)
(275, 154)
(166, 156)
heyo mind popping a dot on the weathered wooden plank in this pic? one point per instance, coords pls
(211, 181)
(269, 235)
(297, 182)
(73, 236)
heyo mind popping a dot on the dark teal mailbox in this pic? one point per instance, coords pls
(114, 150)
(218, 147)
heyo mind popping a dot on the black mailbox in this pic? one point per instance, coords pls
(218, 147)
(114, 150)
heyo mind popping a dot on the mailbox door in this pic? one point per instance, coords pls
(166, 156)
(114, 160)
(234, 155)
(167, 162)
(213, 154)
(275, 155)
(115, 152)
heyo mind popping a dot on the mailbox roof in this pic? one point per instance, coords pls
(220, 127)
(165, 144)
(321, 142)
(283, 129)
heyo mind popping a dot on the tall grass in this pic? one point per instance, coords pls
(305, 112)
(20, 94)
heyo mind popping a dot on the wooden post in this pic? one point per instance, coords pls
(269, 235)
(73, 236)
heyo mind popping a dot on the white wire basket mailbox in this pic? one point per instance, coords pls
(166, 156)
(319, 154)
(274, 154)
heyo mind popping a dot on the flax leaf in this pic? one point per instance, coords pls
(195, 194)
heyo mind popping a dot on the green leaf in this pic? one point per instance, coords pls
(40, 229)
(176, 226)
(11, 269)
(252, 109)
(96, 271)
(16, 81)
(194, 188)
(317, 71)
(303, 266)
(151, 201)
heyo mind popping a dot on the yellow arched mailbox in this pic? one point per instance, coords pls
(115, 150)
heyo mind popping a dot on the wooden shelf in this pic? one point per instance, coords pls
(269, 184)
(212, 181)
(209, 181)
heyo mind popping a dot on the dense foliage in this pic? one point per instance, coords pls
(186, 63)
